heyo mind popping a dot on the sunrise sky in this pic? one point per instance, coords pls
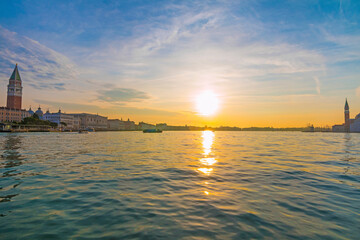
(268, 63)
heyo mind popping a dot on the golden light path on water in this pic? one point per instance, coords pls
(208, 160)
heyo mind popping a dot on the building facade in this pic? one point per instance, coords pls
(144, 126)
(94, 121)
(12, 115)
(161, 126)
(13, 112)
(116, 124)
(63, 120)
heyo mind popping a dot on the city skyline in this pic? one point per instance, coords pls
(150, 63)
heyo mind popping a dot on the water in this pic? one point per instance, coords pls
(180, 185)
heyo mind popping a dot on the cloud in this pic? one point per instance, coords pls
(80, 108)
(57, 86)
(122, 95)
(40, 66)
(199, 41)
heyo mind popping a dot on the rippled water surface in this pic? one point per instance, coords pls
(180, 185)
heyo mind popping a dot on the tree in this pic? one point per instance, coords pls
(34, 120)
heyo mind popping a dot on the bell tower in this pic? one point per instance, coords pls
(14, 92)
(347, 117)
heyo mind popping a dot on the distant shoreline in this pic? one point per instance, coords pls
(175, 131)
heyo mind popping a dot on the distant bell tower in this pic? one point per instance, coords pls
(14, 93)
(347, 117)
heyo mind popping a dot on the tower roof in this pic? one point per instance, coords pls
(15, 75)
(346, 105)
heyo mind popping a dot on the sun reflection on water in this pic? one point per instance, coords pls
(206, 171)
(208, 159)
(208, 138)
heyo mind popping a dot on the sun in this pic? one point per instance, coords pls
(207, 103)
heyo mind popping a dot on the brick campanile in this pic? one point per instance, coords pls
(14, 93)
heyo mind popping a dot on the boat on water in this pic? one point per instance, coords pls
(87, 130)
(152, 131)
(90, 129)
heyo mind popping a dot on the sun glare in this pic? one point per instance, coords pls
(207, 103)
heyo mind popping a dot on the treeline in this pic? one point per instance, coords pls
(35, 120)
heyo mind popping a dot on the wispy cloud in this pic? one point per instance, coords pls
(122, 95)
(119, 110)
(204, 47)
(57, 86)
(317, 82)
(40, 66)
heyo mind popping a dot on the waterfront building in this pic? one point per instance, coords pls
(129, 125)
(338, 128)
(12, 115)
(350, 125)
(13, 112)
(71, 122)
(116, 124)
(355, 125)
(143, 126)
(161, 126)
(94, 121)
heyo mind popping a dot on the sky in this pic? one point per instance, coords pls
(269, 63)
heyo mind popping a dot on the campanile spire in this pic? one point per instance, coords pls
(14, 93)
(347, 116)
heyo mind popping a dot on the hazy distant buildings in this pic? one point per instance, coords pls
(161, 126)
(355, 126)
(350, 125)
(143, 126)
(13, 112)
(117, 125)
(94, 121)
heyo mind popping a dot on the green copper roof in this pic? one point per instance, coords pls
(15, 75)
(346, 105)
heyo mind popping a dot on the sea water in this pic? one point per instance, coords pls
(180, 185)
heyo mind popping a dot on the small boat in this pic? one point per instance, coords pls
(90, 129)
(83, 131)
(152, 131)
